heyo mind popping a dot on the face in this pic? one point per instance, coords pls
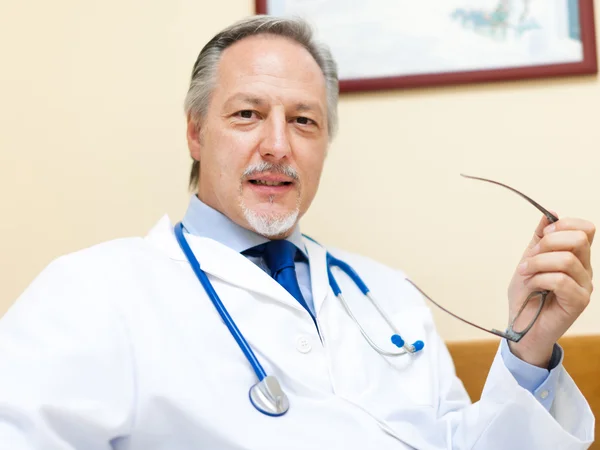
(262, 144)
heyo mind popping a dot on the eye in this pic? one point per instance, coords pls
(304, 121)
(246, 114)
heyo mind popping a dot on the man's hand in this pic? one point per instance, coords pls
(557, 259)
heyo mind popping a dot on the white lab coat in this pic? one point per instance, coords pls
(118, 346)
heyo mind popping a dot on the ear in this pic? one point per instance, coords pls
(193, 137)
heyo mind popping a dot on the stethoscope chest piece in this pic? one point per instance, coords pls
(268, 397)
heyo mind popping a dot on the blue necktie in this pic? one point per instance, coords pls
(279, 256)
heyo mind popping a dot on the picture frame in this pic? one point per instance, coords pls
(463, 44)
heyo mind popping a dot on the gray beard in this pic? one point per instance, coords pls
(269, 224)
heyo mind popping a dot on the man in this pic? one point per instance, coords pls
(119, 346)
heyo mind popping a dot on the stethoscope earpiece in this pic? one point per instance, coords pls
(397, 341)
(418, 346)
(414, 348)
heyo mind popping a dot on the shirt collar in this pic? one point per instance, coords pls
(204, 221)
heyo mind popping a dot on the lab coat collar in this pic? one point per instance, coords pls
(202, 220)
(317, 256)
(230, 266)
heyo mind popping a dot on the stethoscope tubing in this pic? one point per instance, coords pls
(206, 284)
(357, 280)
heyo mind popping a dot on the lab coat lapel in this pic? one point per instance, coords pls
(221, 262)
(318, 273)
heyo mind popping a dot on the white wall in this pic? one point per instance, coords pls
(92, 147)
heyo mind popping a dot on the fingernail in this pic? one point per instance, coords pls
(535, 249)
(550, 229)
(522, 268)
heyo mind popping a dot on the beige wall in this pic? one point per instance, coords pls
(92, 148)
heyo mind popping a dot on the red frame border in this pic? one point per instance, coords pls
(588, 66)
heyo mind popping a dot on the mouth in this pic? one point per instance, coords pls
(271, 184)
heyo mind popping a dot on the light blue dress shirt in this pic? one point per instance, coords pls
(202, 220)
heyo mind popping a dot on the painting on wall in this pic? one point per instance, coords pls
(384, 44)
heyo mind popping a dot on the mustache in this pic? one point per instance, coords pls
(265, 166)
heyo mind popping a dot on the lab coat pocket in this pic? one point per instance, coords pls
(383, 384)
(412, 374)
(415, 371)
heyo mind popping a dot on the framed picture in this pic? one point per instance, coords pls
(388, 44)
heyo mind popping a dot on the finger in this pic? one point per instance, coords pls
(575, 241)
(564, 262)
(538, 234)
(571, 223)
(572, 297)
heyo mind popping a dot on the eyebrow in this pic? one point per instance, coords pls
(308, 107)
(244, 98)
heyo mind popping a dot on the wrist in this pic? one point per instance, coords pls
(538, 355)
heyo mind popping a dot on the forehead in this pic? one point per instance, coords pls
(271, 66)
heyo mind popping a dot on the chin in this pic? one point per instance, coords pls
(270, 223)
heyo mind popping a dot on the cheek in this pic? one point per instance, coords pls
(312, 175)
(225, 155)
(215, 173)
(235, 149)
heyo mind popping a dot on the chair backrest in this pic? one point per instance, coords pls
(472, 360)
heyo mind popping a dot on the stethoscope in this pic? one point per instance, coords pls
(266, 395)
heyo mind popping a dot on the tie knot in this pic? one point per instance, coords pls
(279, 255)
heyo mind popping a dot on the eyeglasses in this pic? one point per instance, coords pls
(537, 296)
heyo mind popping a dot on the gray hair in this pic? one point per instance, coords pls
(205, 69)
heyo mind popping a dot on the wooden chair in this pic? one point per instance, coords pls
(582, 360)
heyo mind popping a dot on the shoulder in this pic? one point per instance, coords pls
(95, 272)
(362, 262)
(117, 256)
(112, 256)
(73, 289)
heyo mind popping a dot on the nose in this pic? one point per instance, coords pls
(275, 144)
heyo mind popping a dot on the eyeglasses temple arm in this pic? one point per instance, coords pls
(551, 217)
(494, 332)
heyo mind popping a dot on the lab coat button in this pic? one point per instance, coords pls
(303, 345)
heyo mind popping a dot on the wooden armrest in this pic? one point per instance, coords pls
(473, 359)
